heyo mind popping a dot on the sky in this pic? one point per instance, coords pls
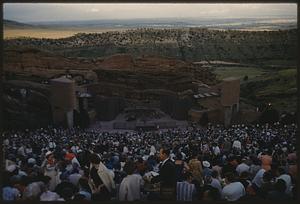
(34, 12)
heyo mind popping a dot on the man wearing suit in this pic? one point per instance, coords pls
(167, 176)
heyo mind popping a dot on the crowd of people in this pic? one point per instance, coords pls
(214, 163)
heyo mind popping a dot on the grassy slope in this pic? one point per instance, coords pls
(279, 87)
(240, 72)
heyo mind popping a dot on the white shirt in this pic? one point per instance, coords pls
(130, 188)
(216, 150)
(125, 150)
(49, 196)
(152, 149)
(242, 167)
(233, 191)
(74, 178)
(258, 179)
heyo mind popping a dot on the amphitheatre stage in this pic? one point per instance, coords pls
(139, 118)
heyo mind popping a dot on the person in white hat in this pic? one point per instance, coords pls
(50, 170)
(207, 171)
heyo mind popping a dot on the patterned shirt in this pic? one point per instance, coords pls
(10, 194)
(185, 191)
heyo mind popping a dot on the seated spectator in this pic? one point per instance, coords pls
(266, 160)
(266, 185)
(207, 171)
(258, 180)
(211, 194)
(48, 195)
(180, 166)
(242, 167)
(130, 187)
(9, 191)
(278, 194)
(215, 181)
(196, 170)
(288, 180)
(186, 191)
(233, 190)
(101, 180)
(84, 188)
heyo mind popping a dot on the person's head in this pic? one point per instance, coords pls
(178, 156)
(229, 177)
(244, 175)
(45, 180)
(281, 171)
(129, 167)
(194, 154)
(188, 176)
(79, 197)
(83, 183)
(95, 159)
(67, 193)
(49, 155)
(256, 161)
(211, 194)
(21, 183)
(164, 153)
(280, 185)
(214, 174)
(267, 177)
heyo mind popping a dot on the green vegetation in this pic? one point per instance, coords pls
(276, 87)
(240, 72)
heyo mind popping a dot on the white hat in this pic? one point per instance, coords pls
(48, 153)
(206, 164)
(11, 168)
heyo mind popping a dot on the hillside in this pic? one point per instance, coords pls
(189, 44)
(8, 24)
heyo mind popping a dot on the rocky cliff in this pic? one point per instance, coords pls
(135, 79)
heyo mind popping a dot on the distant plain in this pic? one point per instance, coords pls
(53, 33)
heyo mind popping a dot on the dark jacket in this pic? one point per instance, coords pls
(167, 179)
(167, 175)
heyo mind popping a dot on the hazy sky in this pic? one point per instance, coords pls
(27, 12)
